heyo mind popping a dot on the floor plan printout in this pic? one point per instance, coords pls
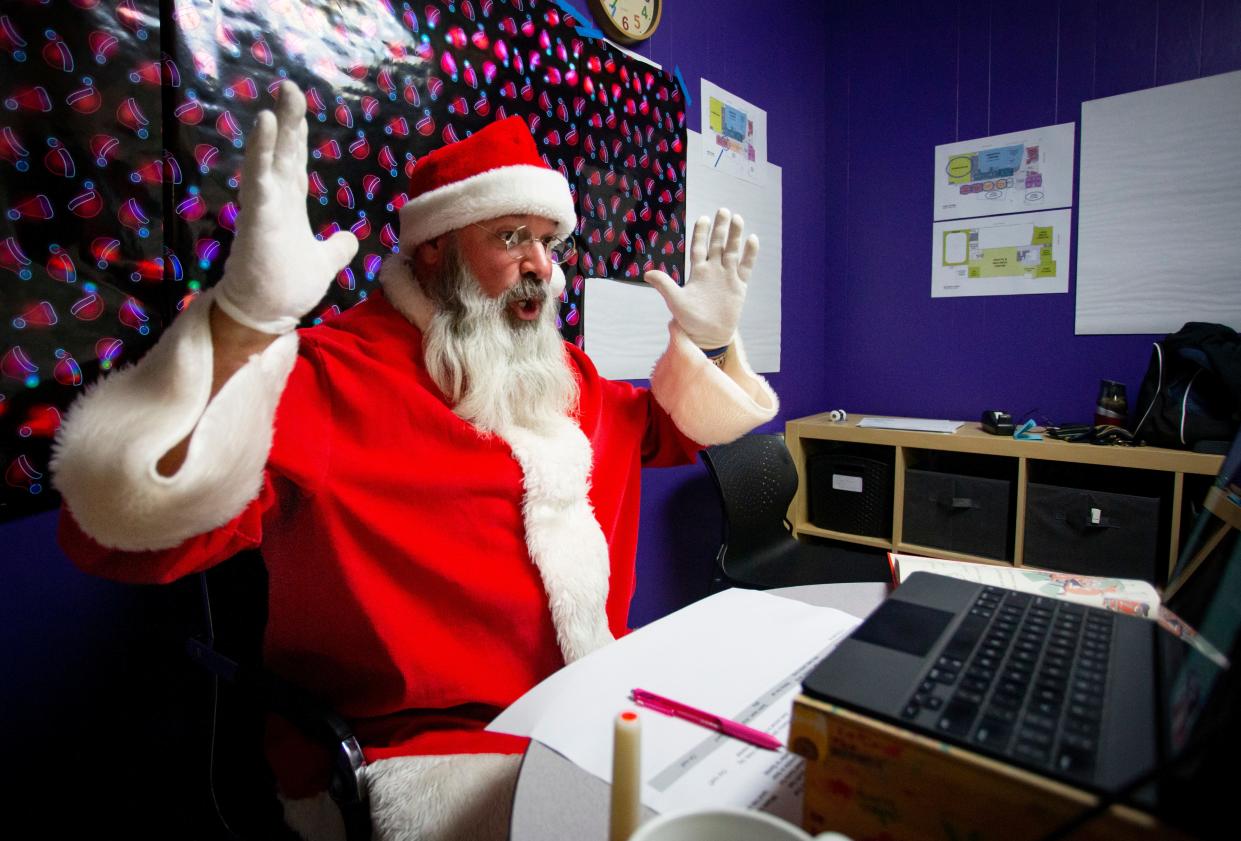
(1005, 173)
(1023, 254)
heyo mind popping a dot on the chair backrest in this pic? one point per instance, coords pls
(756, 479)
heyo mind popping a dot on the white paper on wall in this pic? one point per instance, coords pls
(625, 327)
(1159, 242)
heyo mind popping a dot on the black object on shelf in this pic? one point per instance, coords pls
(1091, 532)
(850, 493)
(961, 513)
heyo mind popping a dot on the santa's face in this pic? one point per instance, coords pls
(497, 368)
(499, 269)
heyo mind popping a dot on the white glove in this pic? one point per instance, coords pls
(277, 271)
(708, 306)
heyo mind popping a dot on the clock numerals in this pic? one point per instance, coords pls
(629, 21)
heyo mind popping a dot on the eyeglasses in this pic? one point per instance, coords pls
(520, 241)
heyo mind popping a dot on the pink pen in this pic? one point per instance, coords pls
(676, 709)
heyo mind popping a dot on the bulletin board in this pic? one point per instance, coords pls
(122, 132)
(1158, 239)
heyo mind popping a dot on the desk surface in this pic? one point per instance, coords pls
(556, 800)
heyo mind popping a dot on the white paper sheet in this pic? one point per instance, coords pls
(626, 327)
(1005, 173)
(740, 654)
(916, 424)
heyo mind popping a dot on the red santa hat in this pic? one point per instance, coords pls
(494, 172)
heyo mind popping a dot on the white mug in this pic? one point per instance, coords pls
(724, 825)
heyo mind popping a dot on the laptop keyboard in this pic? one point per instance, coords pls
(1023, 677)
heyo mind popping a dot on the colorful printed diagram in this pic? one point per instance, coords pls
(992, 172)
(732, 129)
(1007, 251)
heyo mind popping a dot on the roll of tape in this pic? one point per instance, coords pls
(838, 415)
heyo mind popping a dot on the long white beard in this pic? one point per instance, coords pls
(497, 373)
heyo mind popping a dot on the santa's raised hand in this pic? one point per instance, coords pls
(277, 270)
(708, 306)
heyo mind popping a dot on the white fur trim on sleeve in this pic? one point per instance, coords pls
(711, 405)
(105, 454)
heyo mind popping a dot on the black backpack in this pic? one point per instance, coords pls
(1190, 397)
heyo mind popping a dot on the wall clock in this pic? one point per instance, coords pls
(627, 21)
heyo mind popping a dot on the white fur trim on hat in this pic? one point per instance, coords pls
(518, 190)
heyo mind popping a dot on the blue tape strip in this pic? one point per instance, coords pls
(1023, 433)
(585, 29)
(689, 100)
(571, 9)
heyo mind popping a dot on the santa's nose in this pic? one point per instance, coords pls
(537, 261)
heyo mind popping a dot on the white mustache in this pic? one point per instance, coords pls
(529, 289)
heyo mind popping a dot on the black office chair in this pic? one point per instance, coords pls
(234, 601)
(756, 480)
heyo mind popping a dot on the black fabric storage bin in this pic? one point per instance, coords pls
(1091, 532)
(962, 513)
(850, 493)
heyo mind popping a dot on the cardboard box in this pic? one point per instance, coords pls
(875, 782)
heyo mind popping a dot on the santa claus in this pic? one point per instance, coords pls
(444, 492)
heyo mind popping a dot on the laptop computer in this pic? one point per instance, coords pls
(1089, 697)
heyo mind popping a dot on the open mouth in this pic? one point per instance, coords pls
(526, 309)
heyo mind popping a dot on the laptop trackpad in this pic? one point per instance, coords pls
(904, 626)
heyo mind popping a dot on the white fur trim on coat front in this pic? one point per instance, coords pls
(105, 455)
(710, 404)
(463, 797)
(518, 190)
(563, 534)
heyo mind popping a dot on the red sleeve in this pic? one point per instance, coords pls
(160, 567)
(664, 444)
(618, 407)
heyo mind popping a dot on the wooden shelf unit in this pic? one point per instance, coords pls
(801, 433)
